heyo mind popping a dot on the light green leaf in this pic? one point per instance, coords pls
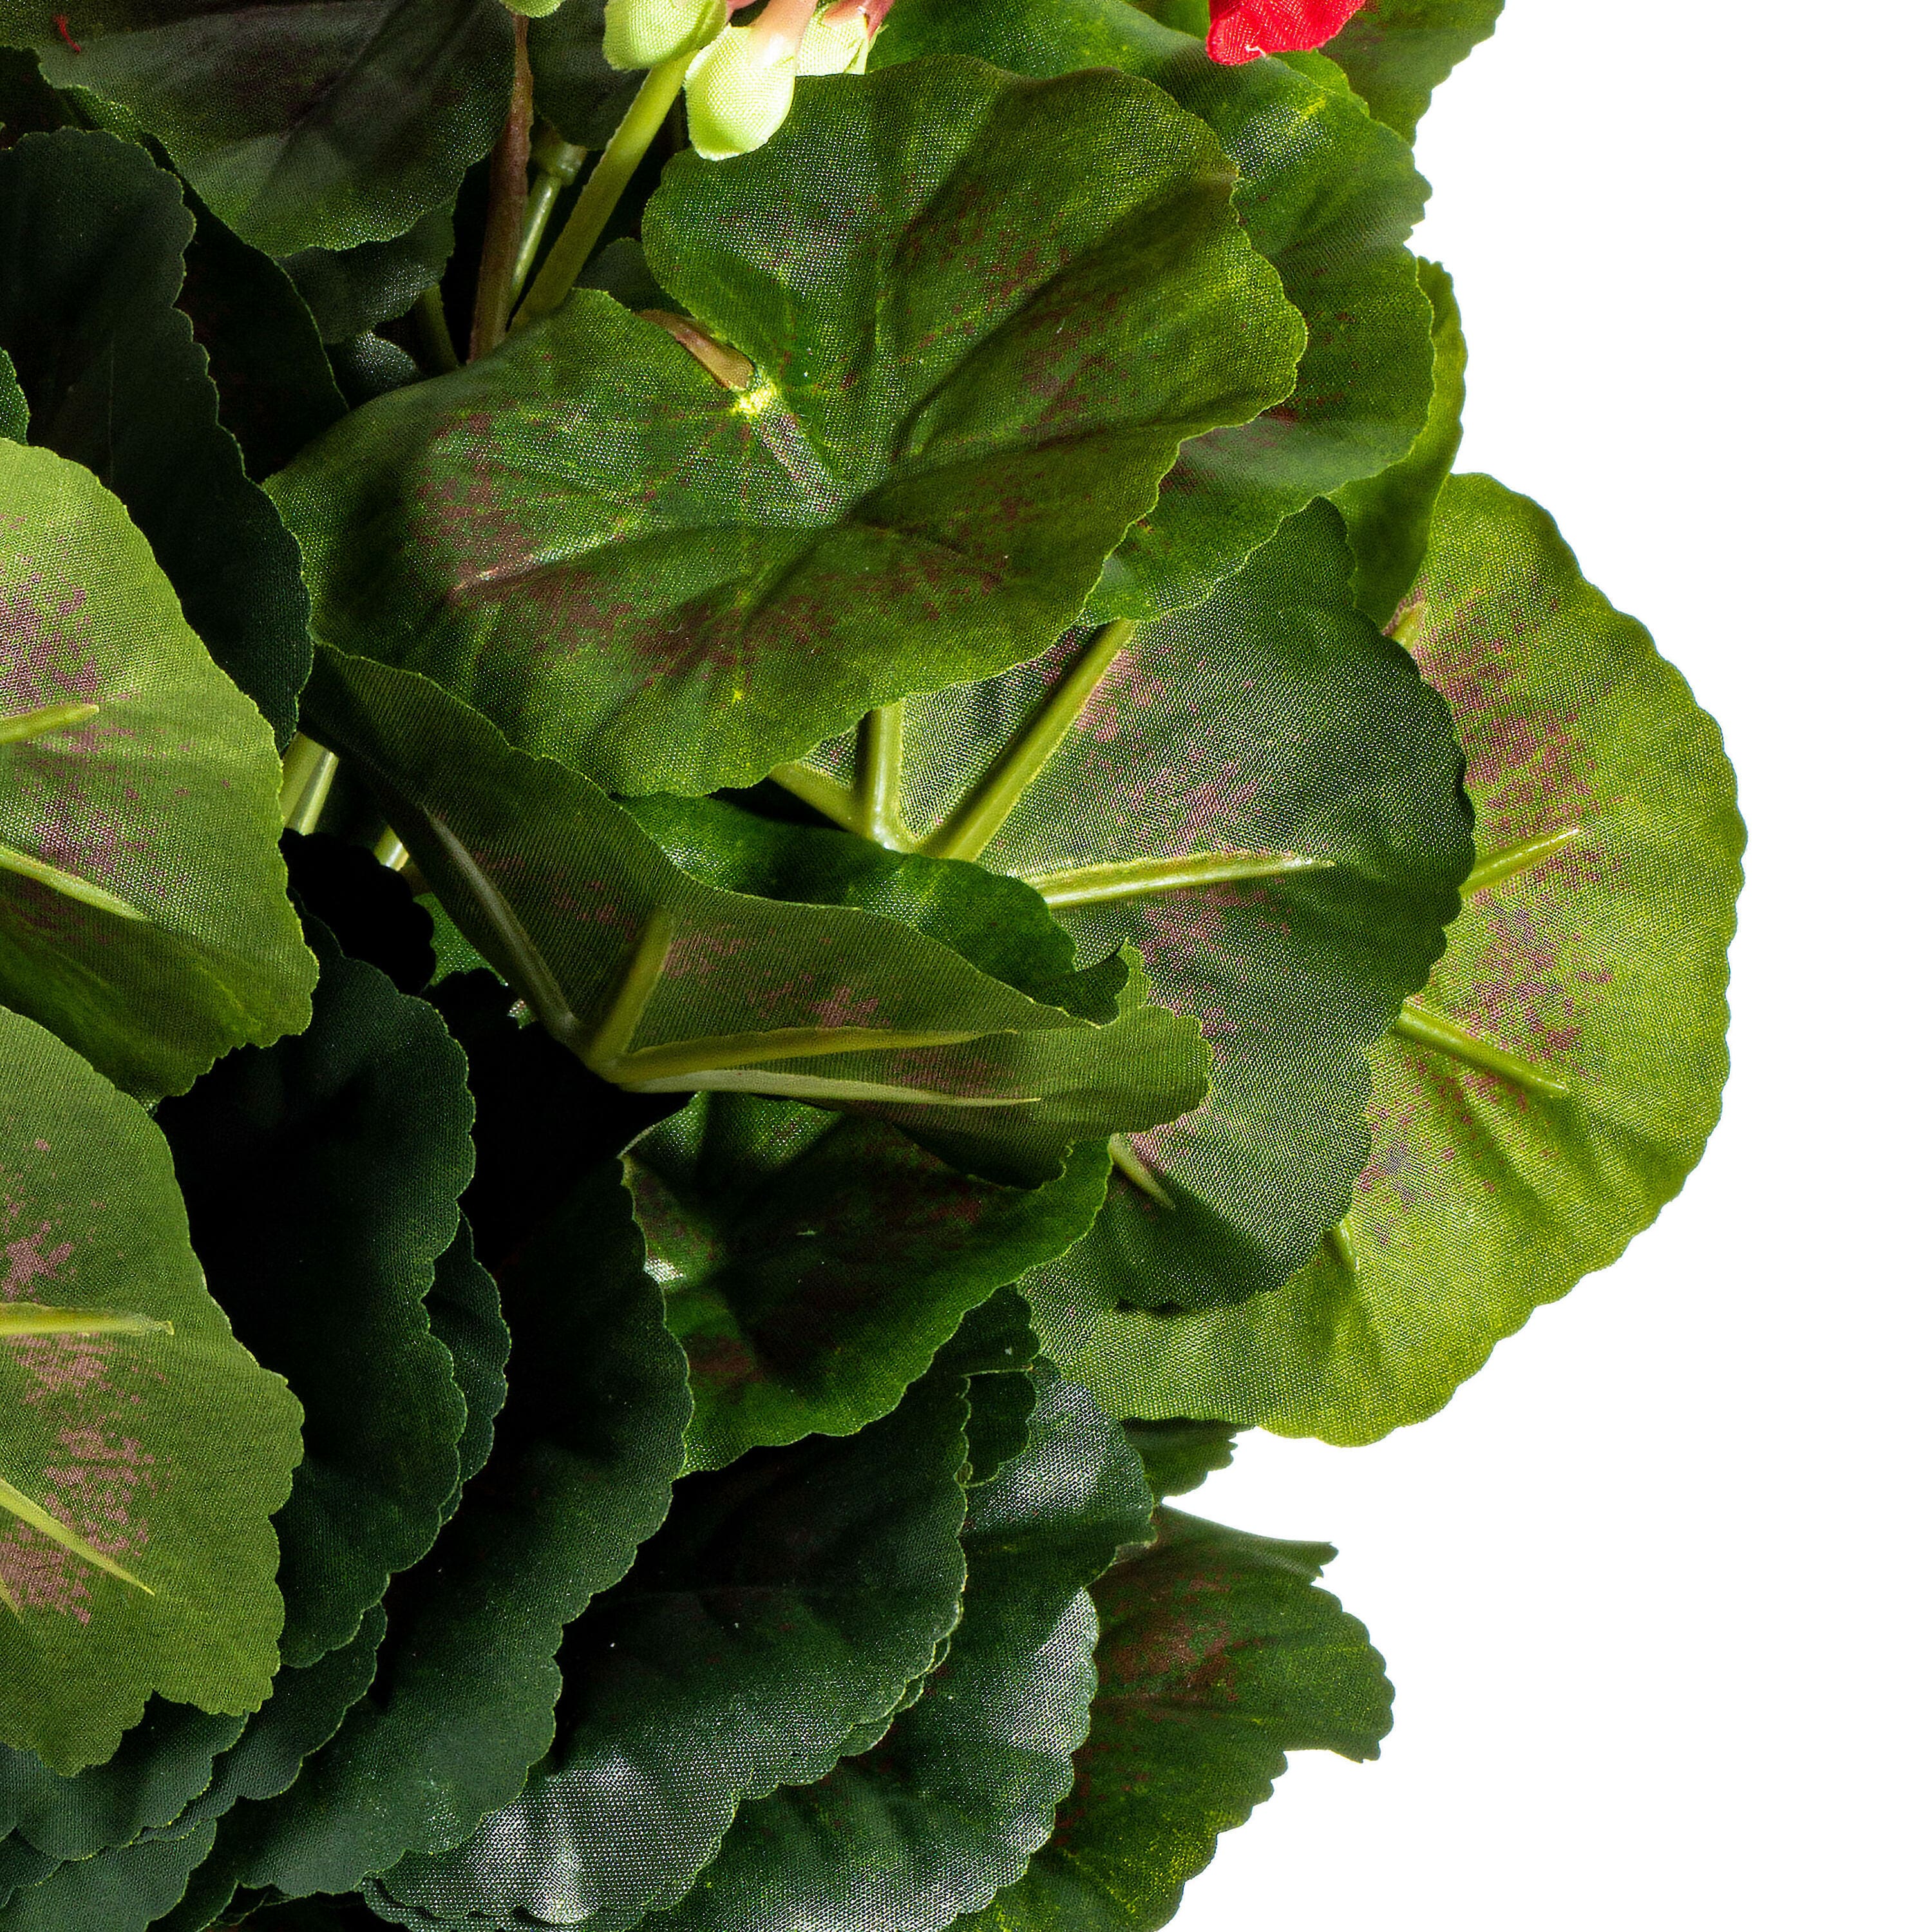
(616, 950)
(465, 1698)
(1217, 1656)
(1555, 1084)
(813, 1263)
(163, 1455)
(1327, 196)
(1397, 52)
(321, 1176)
(337, 123)
(788, 1601)
(1388, 515)
(143, 912)
(1260, 797)
(674, 579)
(116, 380)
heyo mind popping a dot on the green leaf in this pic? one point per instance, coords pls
(1397, 52)
(349, 291)
(465, 1314)
(1327, 196)
(616, 949)
(466, 1694)
(1388, 515)
(338, 123)
(578, 91)
(1217, 1656)
(1260, 797)
(787, 1602)
(542, 531)
(994, 1346)
(1181, 1455)
(946, 1809)
(813, 1263)
(322, 1176)
(159, 1454)
(143, 916)
(1556, 1082)
(120, 1892)
(13, 402)
(114, 379)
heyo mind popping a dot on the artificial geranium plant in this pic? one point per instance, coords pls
(740, 884)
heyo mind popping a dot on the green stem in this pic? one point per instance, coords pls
(1135, 878)
(558, 162)
(822, 793)
(1519, 859)
(619, 1026)
(881, 754)
(615, 166)
(432, 325)
(1342, 1238)
(308, 772)
(1427, 1029)
(970, 827)
(509, 195)
(390, 851)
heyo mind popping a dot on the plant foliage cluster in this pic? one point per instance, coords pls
(690, 1004)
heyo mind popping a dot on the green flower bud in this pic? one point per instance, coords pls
(739, 88)
(641, 33)
(837, 42)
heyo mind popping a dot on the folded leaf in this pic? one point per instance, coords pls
(143, 916)
(674, 583)
(1548, 1092)
(1217, 1656)
(787, 1600)
(322, 1176)
(1397, 52)
(466, 1695)
(114, 379)
(1327, 196)
(618, 953)
(335, 123)
(159, 1456)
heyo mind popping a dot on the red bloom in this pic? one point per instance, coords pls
(1243, 30)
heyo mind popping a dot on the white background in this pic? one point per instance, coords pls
(1653, 1588)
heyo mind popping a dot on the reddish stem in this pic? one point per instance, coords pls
(509, 193)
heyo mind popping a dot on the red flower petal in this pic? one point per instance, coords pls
(1243, 30)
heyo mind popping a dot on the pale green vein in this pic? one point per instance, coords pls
(26, 725)
(1523, 858)
(1342, 1238)
(68, 884)
(1131, 1167)
(880, 756)
(612, 1039)
(308, 774)
(823, 793)
(27, 1317)
(747, 1049)
(1136, 878)
(809, 1087)
(1418, 1024)
(30, 1513)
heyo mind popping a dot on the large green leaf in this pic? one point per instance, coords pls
(1217, 1656)
(466, 1695)
(322, 1176)
(675, 581)
(1388, 515)
(946, 1809)
(812, 1264)
(335, 123)
(143, 1450)
(1556, 1082)
(1397, 52)
(1327, 195)
(1260, 795)
(143, 916)
(617, 952)
(89, 276)
(788, 1601)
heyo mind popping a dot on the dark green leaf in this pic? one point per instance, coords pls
(995, 1346)
(1273, 728)
(322, 1176)
(138, 1437)
(788, 1601)
(119, 1892)
(13, 402)
(1397, 52)
(616, 951)
(1180, 1455)
(350, 291)
(465, 1314)
(88, 279)
(1388, 515)
(1327, 196)
(334, 123)
(465, 1698)
(946, 1808)
(812, 1263)
(368, 366)
(543, 531)
(577, 91)
(1555, 1083)
(1217, 1656)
